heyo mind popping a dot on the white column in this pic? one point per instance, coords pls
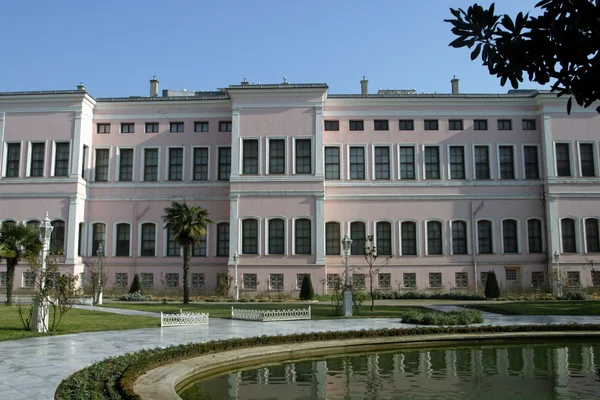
(233, 226)
(548, 148)
(320, 228)
(76, 146)
(552, 225)
(235, 143)
(318, 142)
(73, 228)
(2, 144)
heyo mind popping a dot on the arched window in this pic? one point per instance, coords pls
(123, 240)
(223, 239)
(510, 236)
(434, 238)
(592, 239)
(173, 247)
(358, 234)
(148, 240)
(250, 236)
(98, 237)
(408, 231)
(459, 237)
(384, 238)
(57, 238)
(303, 236)
(34, 224)
(534, 236)
(276, 236)
(332, 242)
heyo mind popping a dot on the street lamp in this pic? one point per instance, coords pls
(236, 288)
(347, 302)
(40, 305)
(100, 253)
(556, 257)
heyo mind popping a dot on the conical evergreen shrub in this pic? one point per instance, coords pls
(306, 292)
(492, 290)
(136, 285)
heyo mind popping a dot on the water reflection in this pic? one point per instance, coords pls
(489, 372)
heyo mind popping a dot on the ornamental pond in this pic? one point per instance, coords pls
(545, 370)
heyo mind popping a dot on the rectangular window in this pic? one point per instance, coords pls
(102, 156)
(334, 281)
(2, 279)
(224, 163)
(455, 125)
(358, 235)
(507, 165)
(432, 162)
(482, 162)
(563, 159)
(127, 127)
(126, 165)
(276, 236)
(84, 160)
(537, 279)
(384, 239)
(332, 125)
(199, 248)
(504, 124)
(102, 128)
(150, 165)
(381, 125)
(223, 240)
(457, 162)
(332, 163)
(483, 278)
(357, 125)
(332, 239)
(173, 248)
(529, 124)
(148, 240)
(249, 236)
(384, 281)
(532, 170)
(435, 279)
(277, 156)
(123, 237)
(573, 279)
(151, 127)
(592, 239)
(225, 126)
(382, 162)
(434, 238)
(357, 163)
(198, 281)
(459, 237)
(461, 280)
(534, 235)
(147, 280)
(276, 281)
(175, 164)
(80, 236)
(303, 156)
(407, 162)
(358, 281)
(595, 278)
(201, 126)
(510, 236)
(569, 243)
(13, 160)
(431, 125)
(303, 236)
(407, 125)
(480, 124)
(200, 164)
(408, 231)
(511, 274)
(176, 127)
(36, 167)
(61, 159)
(250, 157)
(587, 158)
(172, 280)
(409, 279)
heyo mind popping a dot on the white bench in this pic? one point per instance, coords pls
(183, 318)
(270, 315)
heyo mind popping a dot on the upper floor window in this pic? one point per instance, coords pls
(126, 165)
(200, 164)
(332, 125)
(127, 127)
(276, 236)
(225, 126)
(250, 156)
(408, 232)
(407, 125)
(482, 162)
(61, 159)
(434, 238)
(332, 239)
(432, 162)
(332, 163)
(303, 156)
(592, 237)
(123, 238)
(587, 159)
(455, 125)
(102, 128)
(57, 237)
(303, 236)
(357, 125)
(150, 165)
(504, 124)
(38, 151)
(431, 125)
(13, 160)
(457, 162)
(407, 162)
(175, 164)
(484, 237)
(357, 234)
(459, 237)
(383, 231)
(176, 127)
(534, 235)
(507, 162)
(510, 236)
(529, 124)
(569, 241)
(151, 127)
(381, 125)
(563, 159)
(480, 124)
(532, 169)
(148, 240)
(382, 162)
(357, 163)
(249, 236)
(201, 126)
(276, 156)
(224, 163)
(102, 156)
(223, 239)
(98, 237)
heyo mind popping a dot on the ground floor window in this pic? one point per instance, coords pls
(172, 280)
(511, 274)
(2, 279)
(483, 278)
(121, 279)
(537, 279)
(28, 279)
(276, 281)
(595, 278)
(410, 279)
(147, 280)
(461, 279)
(435, 279)
(573, 279)
(299, 279)
(198, 281)
(333, 282)
(358, 281)
(384, 281)
(250, 281)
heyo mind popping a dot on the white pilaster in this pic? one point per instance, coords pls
(552, 228)
(1, 142)
(320, 228)
(235, 145)
(76, 146)
(318, 142)
(76, 206)
(233, 226)
(548, 146)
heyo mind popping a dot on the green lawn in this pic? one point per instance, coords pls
(543, 308)
(223, 310)
(74, 321)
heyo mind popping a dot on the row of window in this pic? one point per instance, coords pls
(57, 237)
(153, 127)
(429, 125)
(37, 159)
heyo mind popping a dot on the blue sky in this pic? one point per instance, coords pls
(115, 46)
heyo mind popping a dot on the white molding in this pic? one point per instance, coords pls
(516, 175)
(285, 234)
(420, 197)
(594, 155)
(417, 236)
(312, 157)
(110, 156)
(416, 168)
(440, 162)
(448, 162)
(434, 112)
(268, 156)
(390, 147)
(251, 193)
(577, 229)
(584, 237)
(451, 235)
(518, 231)
(193, 162)
(392, 235)
(234, 145)
(319, 229)
(234, 243)
(426, 237)
(492, 232)
(118, 167)
(317, 144)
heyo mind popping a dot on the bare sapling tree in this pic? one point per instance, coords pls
(371, 257)
(91, 277)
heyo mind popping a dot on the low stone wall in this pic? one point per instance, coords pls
(271, 315)
(183, 318)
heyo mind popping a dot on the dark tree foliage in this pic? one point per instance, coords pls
(492, 290)
(136, 285)
(306, 291)
(561, 46)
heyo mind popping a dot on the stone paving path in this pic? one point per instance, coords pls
(33, 368)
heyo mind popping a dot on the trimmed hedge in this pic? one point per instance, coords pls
(460, 317)
(378, 295)
(114, 377)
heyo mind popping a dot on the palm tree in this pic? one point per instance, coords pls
(188, 224)
(17, 242)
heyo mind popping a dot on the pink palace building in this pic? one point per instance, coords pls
(451, 186)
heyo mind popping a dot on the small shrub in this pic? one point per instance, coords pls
(136, 296)
(573, 296)
(461, 317)
(492, 290)
(307, 292)
(136, 285)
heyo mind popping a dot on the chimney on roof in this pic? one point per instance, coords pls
(245, 82)
(454, 82)
(81, 87)
(364, 86)
(154, 87)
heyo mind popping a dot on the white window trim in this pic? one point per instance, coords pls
(468, 232)
(515, 163)
(193, 163)
(312, 232)
(392, 238)
(584, 237)
(366, 161)
(167, 163)
(268, 155)
(140, 236)
(128, 123)
(260, 155)
(542, 227)
(390, 147)
(90, 240)
(490, 155)
(30, 155)
(493, 231)
(440, 161)
(349, 224)
(578, 242)
(539, 161)
(143, 163)
(341, 225)
(571, 158)
(110, 155)
(444, 236)
(165, 243)
(5, 158)
(53, 159)
(512, 125)
(258, 234)
(415, 147)
(118, 172)
(232, 249)
(595, 155)
(285, 234)
(312, 154)
(277, 273)
(417, 234)
(115, 238)
(216, 157)
(8, 220)
(85, 162)
(519, 235)
(465, 156)
(340, 148)
(206, 239)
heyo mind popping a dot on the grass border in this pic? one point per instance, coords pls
(114, 377)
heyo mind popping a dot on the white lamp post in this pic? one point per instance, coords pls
(236, 288)
(556, 257)
(40, 306)
(347, 301)
(100, 253)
